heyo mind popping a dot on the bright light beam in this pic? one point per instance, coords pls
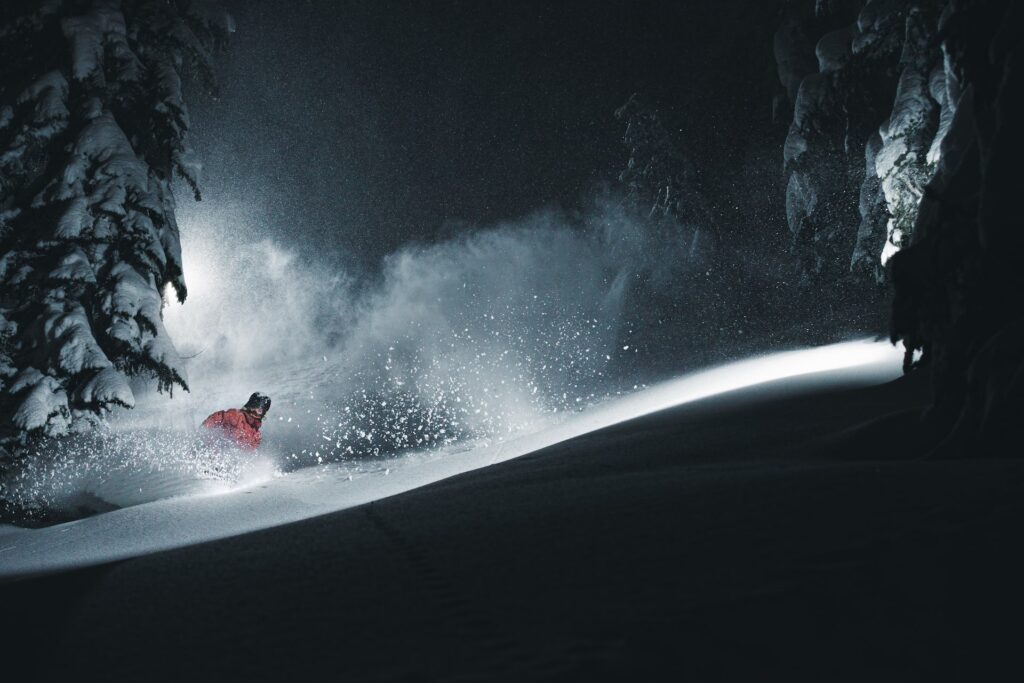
(873, 361)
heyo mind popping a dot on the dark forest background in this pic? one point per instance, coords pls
(381, 122)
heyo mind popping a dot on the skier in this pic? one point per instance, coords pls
(241, 427)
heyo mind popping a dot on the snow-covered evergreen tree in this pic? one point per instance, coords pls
(658, 178)
(865, 130)
(93, 129)
(938, 198)
(665, 198)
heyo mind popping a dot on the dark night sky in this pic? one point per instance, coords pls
(363, 124)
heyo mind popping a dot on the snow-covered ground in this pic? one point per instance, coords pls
(166, 508)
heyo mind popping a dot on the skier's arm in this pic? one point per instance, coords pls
(215, 420)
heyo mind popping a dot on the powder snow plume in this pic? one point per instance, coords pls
(486, 335)
(479, 336)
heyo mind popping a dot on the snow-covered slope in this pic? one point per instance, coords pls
(220, 511)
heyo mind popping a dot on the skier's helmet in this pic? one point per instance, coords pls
(258, 402)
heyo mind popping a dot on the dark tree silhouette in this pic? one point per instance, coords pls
(658, 178)
(958, 285)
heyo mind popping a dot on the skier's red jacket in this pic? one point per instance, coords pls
(240, 427)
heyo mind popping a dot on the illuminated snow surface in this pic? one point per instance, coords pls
(256, 495)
